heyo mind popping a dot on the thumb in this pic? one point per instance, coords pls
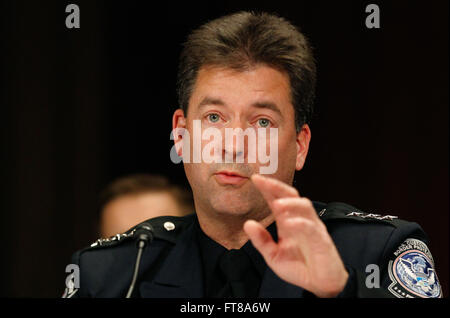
(261, 239)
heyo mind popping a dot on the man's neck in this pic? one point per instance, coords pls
(228, 230)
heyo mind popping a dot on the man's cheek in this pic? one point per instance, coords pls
(211, 145)
(268, 150)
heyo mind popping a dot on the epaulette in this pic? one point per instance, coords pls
(338, 211)
(164, 227)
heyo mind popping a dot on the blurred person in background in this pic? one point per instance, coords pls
(132, 199)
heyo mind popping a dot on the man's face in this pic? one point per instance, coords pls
(257, 99)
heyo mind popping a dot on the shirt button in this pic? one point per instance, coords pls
(169, 226)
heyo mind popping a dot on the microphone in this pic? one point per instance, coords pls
(144, 236)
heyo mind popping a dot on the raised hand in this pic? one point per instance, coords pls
(305, 254)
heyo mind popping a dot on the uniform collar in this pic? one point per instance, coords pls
(181, 274)
(210, 250)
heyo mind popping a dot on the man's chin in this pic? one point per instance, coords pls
(232, 200)
(224, 213)
(232, 207)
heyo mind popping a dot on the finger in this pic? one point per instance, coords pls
(297, 228)
(261, 239)
(293, 207)
(272, 189)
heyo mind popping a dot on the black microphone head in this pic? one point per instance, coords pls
(144, 233)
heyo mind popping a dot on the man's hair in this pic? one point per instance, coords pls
(242, 40)
(144, 183)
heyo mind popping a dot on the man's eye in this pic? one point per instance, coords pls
(263, 122)
(214, 118)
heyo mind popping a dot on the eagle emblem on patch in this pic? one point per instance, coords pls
(412, 271)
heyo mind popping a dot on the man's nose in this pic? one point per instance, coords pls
(234, 143)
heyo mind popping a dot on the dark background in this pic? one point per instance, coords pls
(80, 107)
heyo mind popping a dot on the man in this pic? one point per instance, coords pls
(255, 235)
(132, 199)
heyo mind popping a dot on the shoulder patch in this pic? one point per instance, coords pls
(412, 271)
(71, 288)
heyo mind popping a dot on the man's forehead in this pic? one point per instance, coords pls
(259, 87)
(217, 72)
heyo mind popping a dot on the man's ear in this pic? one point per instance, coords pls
(178, 129)
(303, 139)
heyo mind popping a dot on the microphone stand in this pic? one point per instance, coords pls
(144, 236)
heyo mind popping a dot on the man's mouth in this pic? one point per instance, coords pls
(225, 177)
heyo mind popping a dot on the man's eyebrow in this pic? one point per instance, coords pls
(269, 105)
(260, 104)
(211, 101)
